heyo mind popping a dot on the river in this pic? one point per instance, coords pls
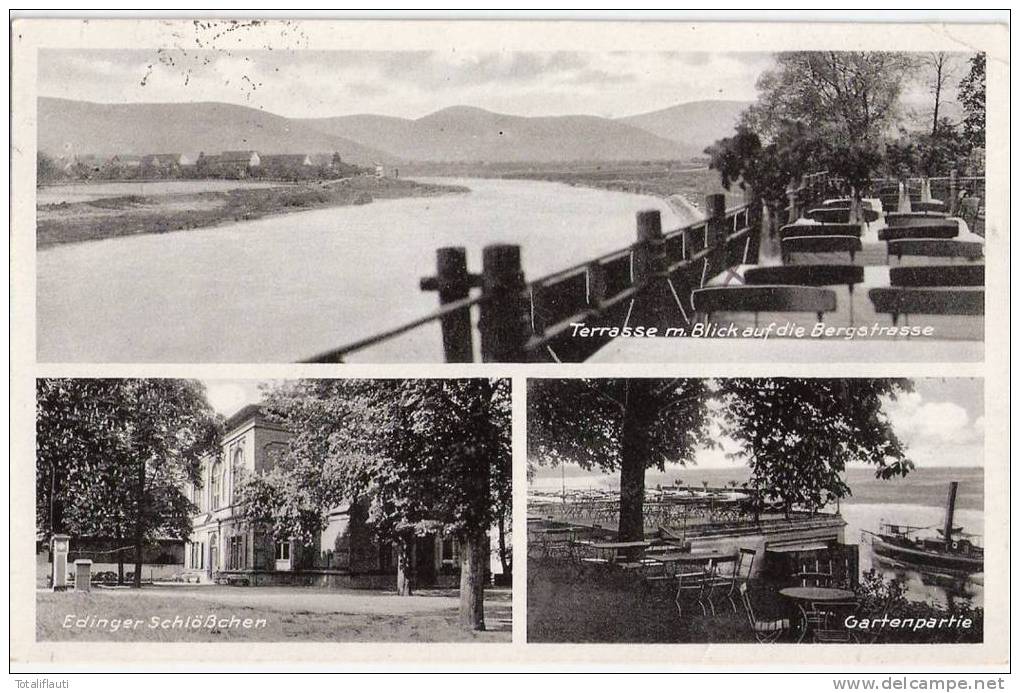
(284, 288)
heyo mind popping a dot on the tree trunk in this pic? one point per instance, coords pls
(504, 551)
(120, 558)
(473, 559)
(405, 567)
(139, 529)
(638, 416)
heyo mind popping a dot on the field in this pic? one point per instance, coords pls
(125, 215)
(275, 614)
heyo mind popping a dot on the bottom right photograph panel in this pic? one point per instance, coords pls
(745, 510)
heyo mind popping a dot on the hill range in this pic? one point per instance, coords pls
(459, 133)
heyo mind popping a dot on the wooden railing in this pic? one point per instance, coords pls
(645, 285)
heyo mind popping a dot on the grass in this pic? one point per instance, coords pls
(608, 606)
(76, 222)
(288, 614)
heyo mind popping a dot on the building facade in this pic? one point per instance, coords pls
(224, 548)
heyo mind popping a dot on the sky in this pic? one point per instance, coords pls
(409, 84)
(941, 423)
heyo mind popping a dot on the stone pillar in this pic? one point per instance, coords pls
(59, 547)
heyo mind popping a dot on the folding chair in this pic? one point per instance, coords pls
(765, 632)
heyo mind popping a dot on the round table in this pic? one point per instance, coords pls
(810, 595)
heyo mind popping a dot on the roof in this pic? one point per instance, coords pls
(161, 157)
(235, 156)
(246, 413)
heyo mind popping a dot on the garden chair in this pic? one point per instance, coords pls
(925, 247)
(765, 632)
(830, 626)
(691, 586)
(738, 573)
(809, 275)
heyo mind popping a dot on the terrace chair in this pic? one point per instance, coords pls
(739, 573)
(809, 275)
(820, 244)
(907, 301)
(938, 275)
(969, 250)
(791, 230)
(831, 624)
(840, 214)
(929, 206)
(765, 632)
(898, 233)
(691, 586)
(763, 299)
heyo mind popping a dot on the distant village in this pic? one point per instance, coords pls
(232, 165)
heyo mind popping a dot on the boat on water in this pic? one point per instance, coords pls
(950, 550)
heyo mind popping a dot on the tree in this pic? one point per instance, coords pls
(426, 456)
(798, 434)
(816, 110)
(46, 169)
(113, 457)
(851, 96)
(617, 424)
(971, 95)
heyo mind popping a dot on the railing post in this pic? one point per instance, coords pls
(716, 232)
(794, 213)
(954, 193)
(504, 311)
(754, 222)
(650, 266)
(453, 283)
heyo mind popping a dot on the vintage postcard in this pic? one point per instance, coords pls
(320, 323)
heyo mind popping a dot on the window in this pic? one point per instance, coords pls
(236, 559)
(283, 550)
(217, 486)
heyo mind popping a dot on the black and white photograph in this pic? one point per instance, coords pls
(209, 202)
(307, 510)
(757, 510)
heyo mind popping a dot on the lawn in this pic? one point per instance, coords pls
(600, 605)
(272, 614)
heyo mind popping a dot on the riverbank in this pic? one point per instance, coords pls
(683, 185)
(128, 215)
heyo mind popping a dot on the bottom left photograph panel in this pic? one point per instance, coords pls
(335, 510)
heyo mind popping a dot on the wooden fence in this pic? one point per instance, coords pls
(645, 285)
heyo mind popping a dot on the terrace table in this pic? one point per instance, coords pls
(802, 596)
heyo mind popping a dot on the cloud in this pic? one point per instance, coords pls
(922, 422)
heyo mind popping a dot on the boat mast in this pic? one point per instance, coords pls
(950, 508)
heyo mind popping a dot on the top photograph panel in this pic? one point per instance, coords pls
(239, 203)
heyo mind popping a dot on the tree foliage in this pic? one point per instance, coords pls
(424, 455)
(797, 435)
(429, 454)
(972, 97)
(618, 424)
(816, 110)
(114, 455)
